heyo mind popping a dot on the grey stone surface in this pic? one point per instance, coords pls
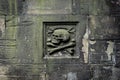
(59, 39)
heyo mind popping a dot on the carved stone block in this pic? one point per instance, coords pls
(59, 40)
(48, 7)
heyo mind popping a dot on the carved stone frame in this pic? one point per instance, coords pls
(71, 26)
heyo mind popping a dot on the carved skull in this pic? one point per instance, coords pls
(60, 35)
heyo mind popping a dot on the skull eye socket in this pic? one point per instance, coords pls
(60, 36)
(55, 35)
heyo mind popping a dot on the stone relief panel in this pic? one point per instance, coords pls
(59, 40)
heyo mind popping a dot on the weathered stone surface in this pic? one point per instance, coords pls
(59, 39)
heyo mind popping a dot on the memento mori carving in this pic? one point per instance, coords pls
(60, 35)
(60, 40)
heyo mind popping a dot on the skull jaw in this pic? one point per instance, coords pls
(56, 42)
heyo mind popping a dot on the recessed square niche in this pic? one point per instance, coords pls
(60, 40)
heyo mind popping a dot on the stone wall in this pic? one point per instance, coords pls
(59, 39)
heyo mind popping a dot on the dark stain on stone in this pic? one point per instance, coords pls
(18, 73)
(114, 6)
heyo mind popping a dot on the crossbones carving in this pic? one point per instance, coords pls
(67, 46)
(60, 40)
